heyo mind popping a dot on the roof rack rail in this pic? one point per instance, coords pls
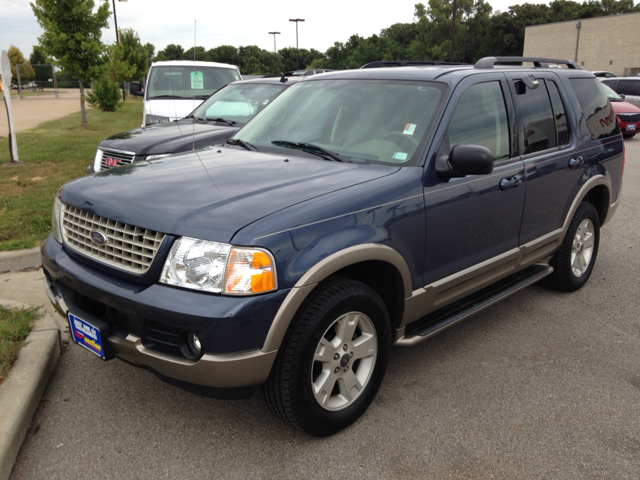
(408, 63)
(489, 62)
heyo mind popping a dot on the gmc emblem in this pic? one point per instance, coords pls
(111, 162)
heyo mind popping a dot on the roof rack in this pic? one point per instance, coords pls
(408, 63)
(489, 62)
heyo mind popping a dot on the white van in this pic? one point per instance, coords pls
(174, 89)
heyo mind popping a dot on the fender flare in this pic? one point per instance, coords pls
(595, 181)
(322, 270)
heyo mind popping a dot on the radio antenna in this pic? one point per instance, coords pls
(193, 136)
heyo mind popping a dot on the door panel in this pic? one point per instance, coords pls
(473, 219)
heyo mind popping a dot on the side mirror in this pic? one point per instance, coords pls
(465, 160)
(136, 89)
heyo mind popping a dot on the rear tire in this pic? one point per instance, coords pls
(574, 261)
(332, 360)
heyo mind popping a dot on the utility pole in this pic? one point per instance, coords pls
(453, 30)
(297, 49)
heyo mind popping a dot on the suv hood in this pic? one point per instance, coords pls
(211, 194)
(171, 137)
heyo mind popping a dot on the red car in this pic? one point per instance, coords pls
(627, 113)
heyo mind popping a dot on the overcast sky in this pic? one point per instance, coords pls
(238, 23)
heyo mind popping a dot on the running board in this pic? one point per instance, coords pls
(439, 320)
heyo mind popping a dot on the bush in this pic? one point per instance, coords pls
(105, 95)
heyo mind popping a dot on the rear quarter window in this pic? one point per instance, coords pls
(596, 108)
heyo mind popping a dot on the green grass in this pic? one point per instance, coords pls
(53, 154)
(15, 325)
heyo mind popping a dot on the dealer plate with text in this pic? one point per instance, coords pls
(86, 335)
(631, 128)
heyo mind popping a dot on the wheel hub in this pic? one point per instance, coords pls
(344, 361)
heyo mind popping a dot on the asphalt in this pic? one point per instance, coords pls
(542, 385)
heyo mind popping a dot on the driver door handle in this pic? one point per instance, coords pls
(510, 182)
(576, 162)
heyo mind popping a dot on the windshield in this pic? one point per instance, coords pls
(188, 81)
(379, 121)
(613, 96)
(238, 103)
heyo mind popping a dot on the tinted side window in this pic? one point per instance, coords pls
(596, 107)
(538, 124)
(629, 87)
(611, 83)
(562, 126)
(480, 118)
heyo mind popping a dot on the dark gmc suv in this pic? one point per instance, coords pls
(359, 210)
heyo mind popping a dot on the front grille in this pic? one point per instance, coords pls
(126, 247)
(115, 158)
(629, 117)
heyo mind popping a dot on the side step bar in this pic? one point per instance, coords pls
(439, 320)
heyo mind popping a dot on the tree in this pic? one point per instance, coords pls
(16, 58)
(150, 49)
(171, 52)
(224, 54)
(134, 54)
(43, 74)
(72, 32)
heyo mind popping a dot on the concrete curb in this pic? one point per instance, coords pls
(19, 259)
(22, 390)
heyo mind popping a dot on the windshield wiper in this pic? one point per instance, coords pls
(231, 123)
(242, 143)
(201, 97)
(165, 96)
(313, 149)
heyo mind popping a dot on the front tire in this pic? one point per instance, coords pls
(575, 260)
(332, 360)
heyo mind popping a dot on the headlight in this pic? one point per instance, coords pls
(151, 119)
(97, 161)
(219, 268)
(55, 220)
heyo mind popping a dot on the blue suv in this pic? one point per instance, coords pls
(359, 210)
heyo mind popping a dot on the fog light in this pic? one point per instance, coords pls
(194, 344)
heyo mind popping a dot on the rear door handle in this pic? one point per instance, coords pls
(511, 182)
(576, 162)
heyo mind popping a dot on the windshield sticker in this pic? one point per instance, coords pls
(399, 155)
(409, 128)
(197, 81)
(265, 102)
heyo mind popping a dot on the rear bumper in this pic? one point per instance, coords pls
(66, 280)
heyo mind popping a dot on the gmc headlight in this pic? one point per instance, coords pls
(55, 220)
(151, 119)
(219, 268)
(97, 161)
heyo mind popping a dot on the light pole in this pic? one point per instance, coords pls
(274, 42)
(297, 49)
(115, 20)
(275, 52)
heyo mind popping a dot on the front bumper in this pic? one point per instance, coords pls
(232, 330)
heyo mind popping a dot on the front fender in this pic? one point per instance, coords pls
(324, 269)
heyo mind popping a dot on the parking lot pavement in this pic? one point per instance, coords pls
(32, 111)
(542, 385)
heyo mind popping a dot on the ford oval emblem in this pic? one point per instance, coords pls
(98, 237)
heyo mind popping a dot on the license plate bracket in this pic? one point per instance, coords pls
(90, 334)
